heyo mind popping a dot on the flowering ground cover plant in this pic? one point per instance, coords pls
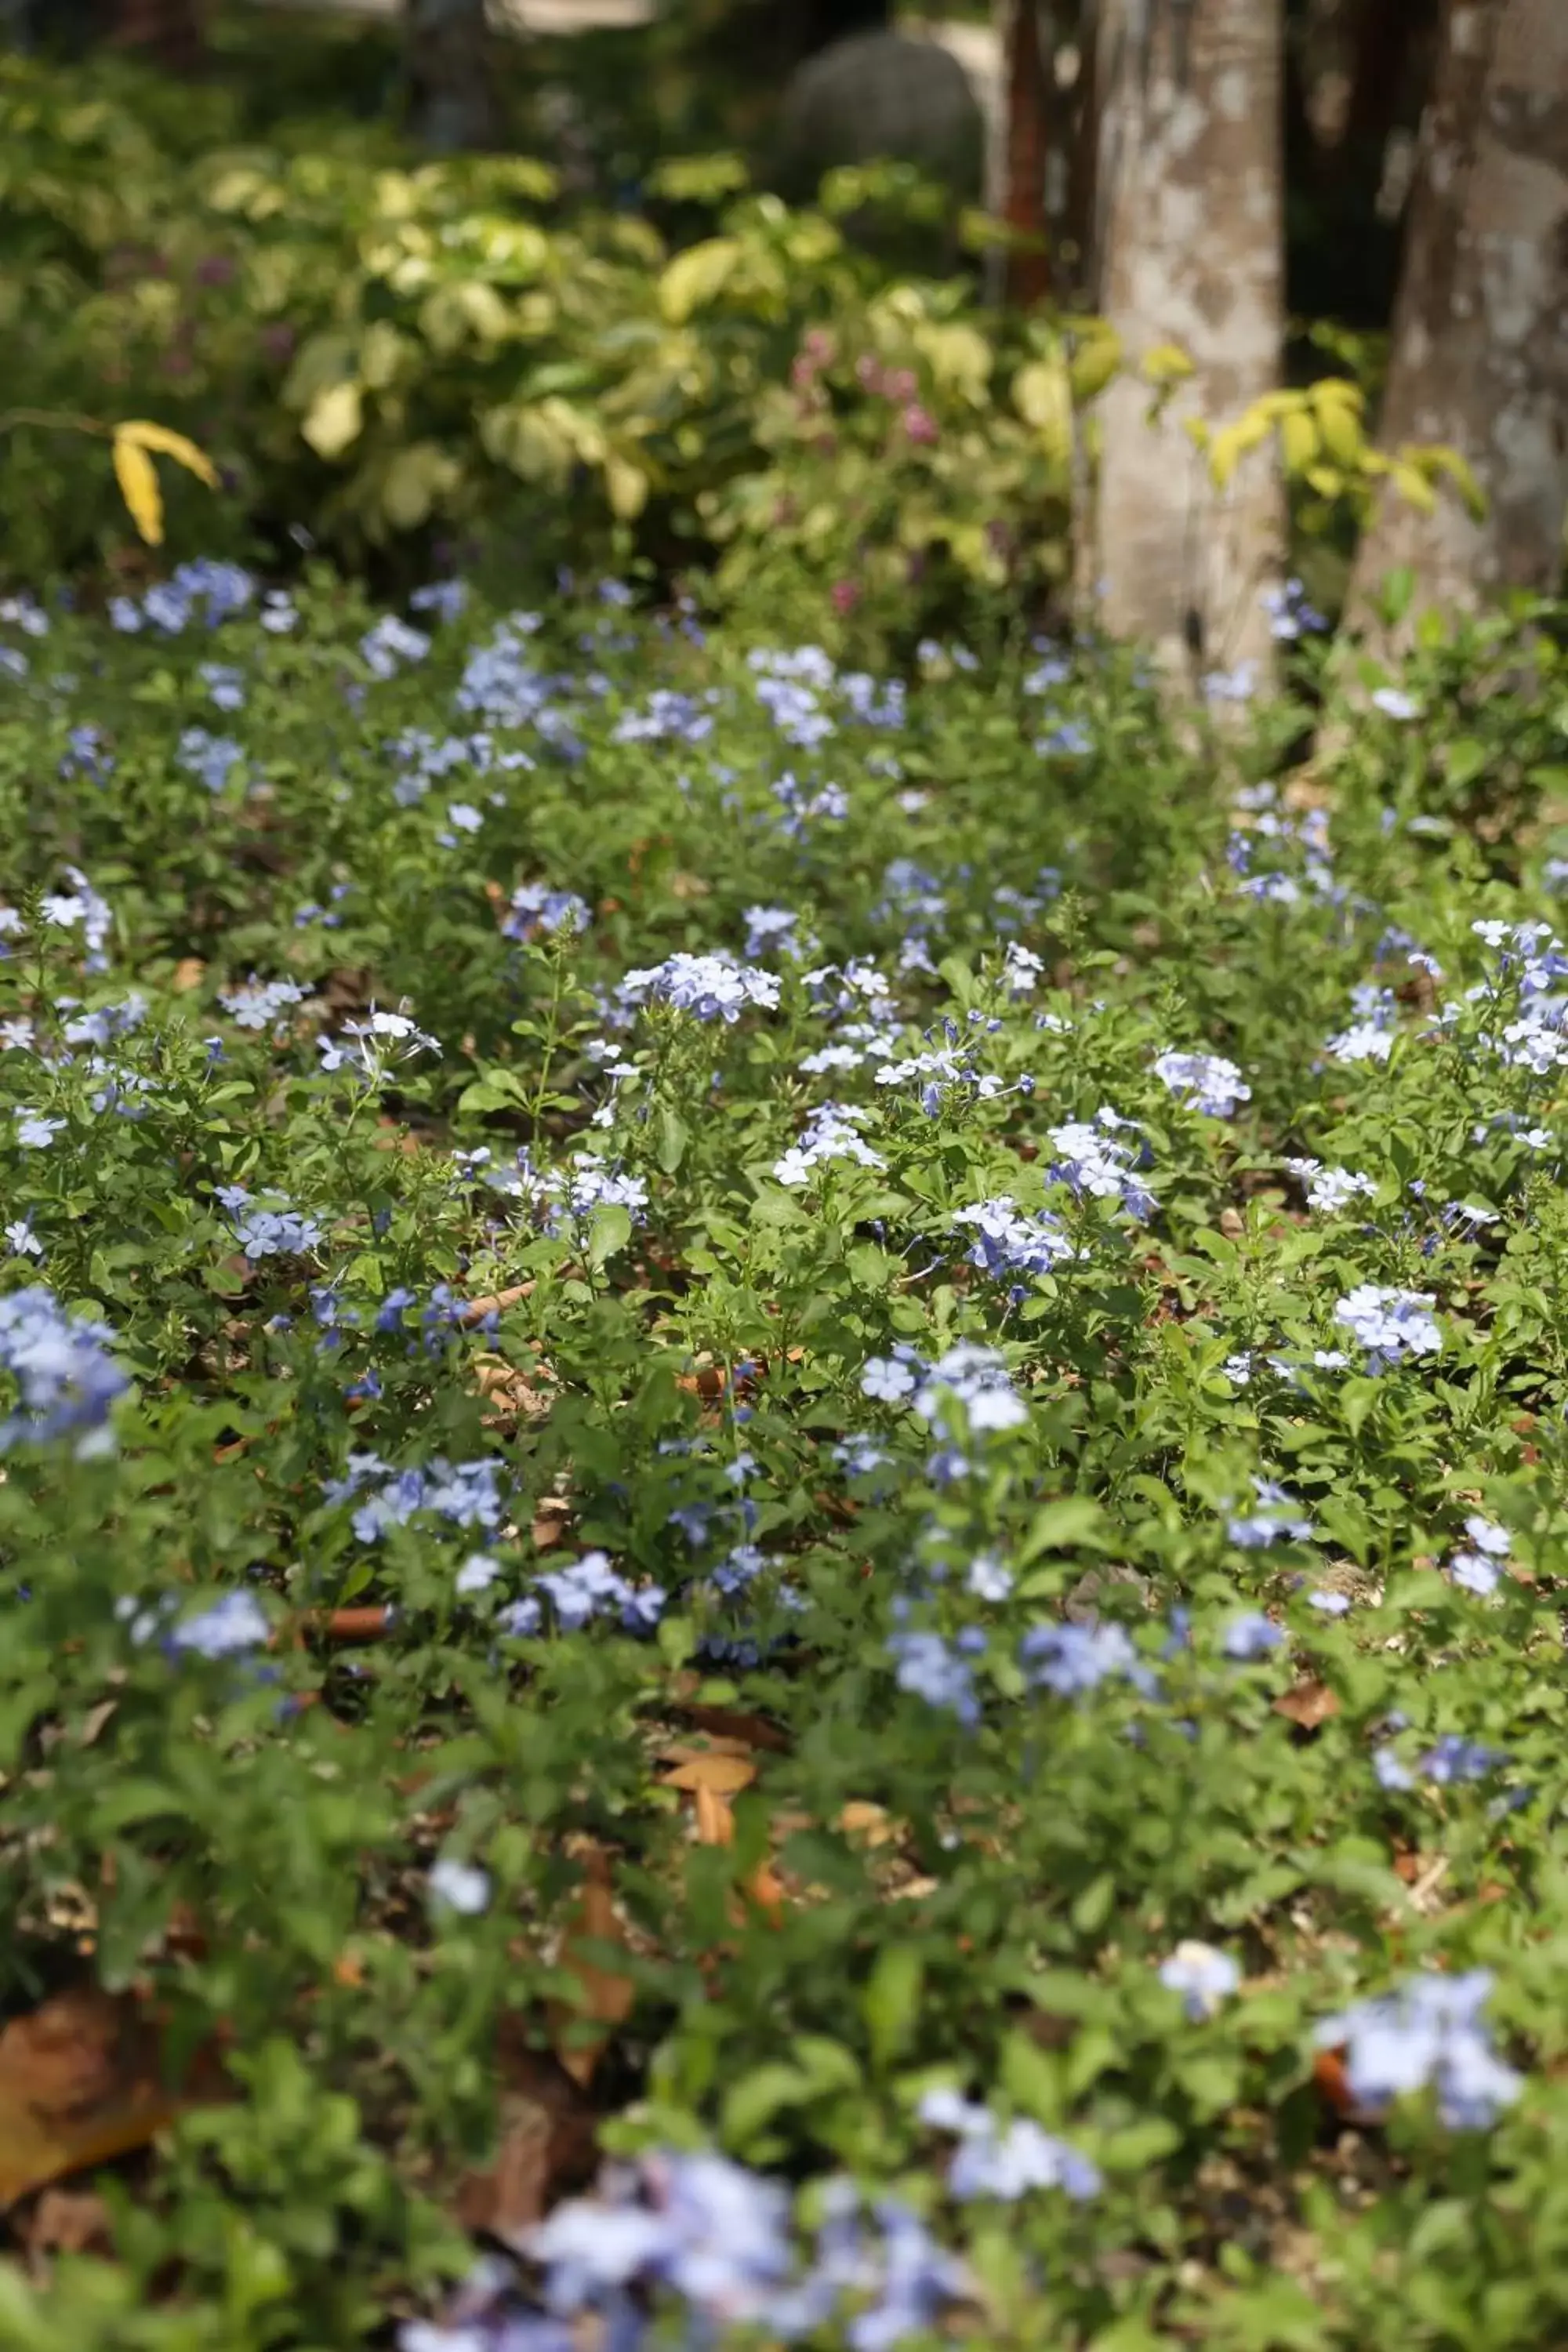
(783, 1503)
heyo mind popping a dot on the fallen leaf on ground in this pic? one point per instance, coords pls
(1308, 1705)
(716, 1826)
(510, 1393)
(68, 2221)
(494, 1302)
(605, 1997)
(870, 1823)
(709, 1770)
(79, 2084)
(546, 2144)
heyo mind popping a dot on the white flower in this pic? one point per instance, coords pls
(460, 1886)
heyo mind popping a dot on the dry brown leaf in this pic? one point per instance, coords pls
(552, 1517)
(69, 2221)
(1309, 1705)
(708, 1768)
(494, 1302)
(606, 1998)
(510, 1392)
(872, 1822)
(79, 2084)
(544, 2141)
(716, 1826)
(715, 1821)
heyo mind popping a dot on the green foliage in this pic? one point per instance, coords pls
(710, 1302)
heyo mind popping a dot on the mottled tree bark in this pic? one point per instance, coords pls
(1189, 250)
(1480, 358)
(454, 107)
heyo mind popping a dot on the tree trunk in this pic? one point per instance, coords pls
(1480, 358)
(1189, 250)
(454, 109)
(1028, 134)
(171, 33)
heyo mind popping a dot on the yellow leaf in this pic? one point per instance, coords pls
(142, 435)
(1166, 364)
(1337, 392)
(1298, 441)
(138, 480)
(1341, 427)
(333, 420)
(695, 277)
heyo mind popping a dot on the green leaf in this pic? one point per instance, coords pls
(609, 1230)
(695, 277)
(757, 2097)
(671, 1136)
(1072, 1522)
(891, 2003)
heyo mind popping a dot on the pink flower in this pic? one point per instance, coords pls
(845, 595)
(919, 424)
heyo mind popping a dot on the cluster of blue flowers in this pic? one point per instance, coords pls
(67, 1379)
(711, 987)
(463, 1494)
(1428, 2032)
(694, 2236)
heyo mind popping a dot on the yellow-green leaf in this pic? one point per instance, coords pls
(415, 478)
(1042, 394)
(1094, 361)
(333, 420)
(1298, 440)
(695, 277)
(1166, 364)
(697, 179)
(1413, 486)
(627, 487)
(138, 480)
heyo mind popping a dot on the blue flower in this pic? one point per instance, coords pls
(1390, 1325)
(929, 1669)
(1072, 1660)
(1207, 1082)
(1427, 2030)
(68, 1381)
(1251, 1635)
(1204, 1977)
(1276, 1519)
(227, 1629)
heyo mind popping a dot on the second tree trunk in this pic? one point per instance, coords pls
(1189, 250)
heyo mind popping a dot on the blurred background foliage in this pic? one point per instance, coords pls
(608, 341)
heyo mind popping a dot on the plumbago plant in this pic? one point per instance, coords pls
(793, 1440)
